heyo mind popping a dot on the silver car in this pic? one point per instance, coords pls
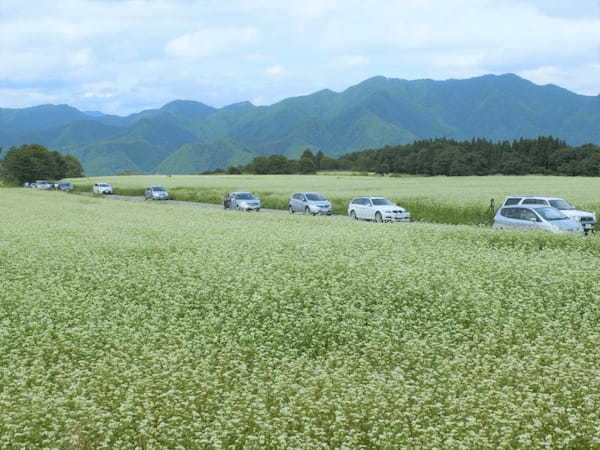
(586, 218)
(156, 193)
(245, 201)
(43, 184)
(535, 217)
(309, 203)
(64, 186)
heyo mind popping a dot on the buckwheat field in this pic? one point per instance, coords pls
(137, 325)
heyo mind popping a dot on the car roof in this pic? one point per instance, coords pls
(528, 206)
(540, 197)
(241, 192)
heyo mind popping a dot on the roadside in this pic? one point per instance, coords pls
(141, 199)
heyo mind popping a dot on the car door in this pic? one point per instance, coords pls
(528, 218)
(361, 206)
(297, 203)
(303, 202)
(506, 218)
(367, 209)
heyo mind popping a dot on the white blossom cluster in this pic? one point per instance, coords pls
(137, 325)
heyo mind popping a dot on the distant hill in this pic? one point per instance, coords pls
(189, 137)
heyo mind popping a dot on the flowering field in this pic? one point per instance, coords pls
(455, 200)
(127, 325)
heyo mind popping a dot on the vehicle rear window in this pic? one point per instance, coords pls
(512, 201)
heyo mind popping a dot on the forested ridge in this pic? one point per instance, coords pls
(544, 155)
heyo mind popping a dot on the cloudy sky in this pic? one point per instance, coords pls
(120, 56)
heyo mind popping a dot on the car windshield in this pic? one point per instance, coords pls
(65, 184)
(381, 201)
(244, 196)
(314, 197)
(157, 189)
(103, 185)
(550, 213)
(561, 204)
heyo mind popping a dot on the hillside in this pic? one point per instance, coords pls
(187, 137)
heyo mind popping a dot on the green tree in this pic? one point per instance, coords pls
(31, 162)
(73, 167)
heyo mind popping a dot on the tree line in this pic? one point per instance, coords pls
(31, 162)
(543, 155)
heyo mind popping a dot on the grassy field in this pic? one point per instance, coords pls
(145, 325)
(453, 200)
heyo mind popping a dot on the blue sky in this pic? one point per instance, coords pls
(121, 56)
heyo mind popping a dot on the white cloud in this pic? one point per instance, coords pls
(350, 61)
(211, 41)
(127, 54)
(276, 71)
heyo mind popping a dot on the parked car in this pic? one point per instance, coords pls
(536, 217)
(102, 188)
(156, 193)
(64, 186)
(586, 218)
(44, 184)
(245, 201)
(309, 203)
(379, 209)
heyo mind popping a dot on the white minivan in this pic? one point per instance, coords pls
(102, 188)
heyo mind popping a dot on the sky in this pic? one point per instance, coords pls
(122, 56)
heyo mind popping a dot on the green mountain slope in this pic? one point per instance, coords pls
(186, 136)
(199, 157)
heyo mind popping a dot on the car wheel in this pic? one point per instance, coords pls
(306, 210)
(257, 209)
(290, 209)
(378, 217)
(353, 215)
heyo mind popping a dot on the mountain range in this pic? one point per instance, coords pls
(187, 136)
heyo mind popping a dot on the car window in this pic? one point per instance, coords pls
(527, 214)
(297, 196)
(312, 196)
(512, 201)
(551, 213)
(244, 196)
(382, 202)
(534, 201)
(561, 204)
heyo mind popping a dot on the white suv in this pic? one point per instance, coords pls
(379, 209)
(586, 218)
(102, 188)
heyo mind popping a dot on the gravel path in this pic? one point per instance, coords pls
(130, 198)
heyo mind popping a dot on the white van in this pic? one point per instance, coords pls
(102, 188)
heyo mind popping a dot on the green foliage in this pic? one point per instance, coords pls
(142, 325)
(29, 163)
(544, 155)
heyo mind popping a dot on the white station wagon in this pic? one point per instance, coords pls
(379, 209)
